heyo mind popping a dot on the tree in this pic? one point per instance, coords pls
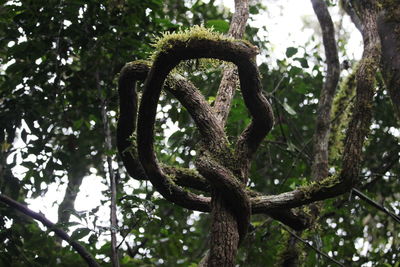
(220, 171)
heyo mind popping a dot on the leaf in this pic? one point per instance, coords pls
(289, 109)
(221, 26)
(67, 224)
(93, 239)
(81, 215)
(291, 147)
(5, 146)
(166, 23)
(291, 51)
(77, 124)
(175, 138)
(301, 88)
(303, 62)
(80, 233)
(295, 71)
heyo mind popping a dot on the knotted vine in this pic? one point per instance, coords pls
(221, 167)
(224, 168)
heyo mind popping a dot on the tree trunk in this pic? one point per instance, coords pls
(224, 240)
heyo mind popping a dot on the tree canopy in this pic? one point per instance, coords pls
(213, 151)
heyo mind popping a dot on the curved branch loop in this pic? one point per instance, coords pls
(181, 89)
(137, 71)
(237, 52)
(130, 73)
(242, 55)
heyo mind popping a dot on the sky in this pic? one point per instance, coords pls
(285, 19)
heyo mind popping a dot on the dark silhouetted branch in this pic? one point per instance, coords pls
(375, 204)
(60, 233)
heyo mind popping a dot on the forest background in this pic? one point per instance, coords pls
(59, 67)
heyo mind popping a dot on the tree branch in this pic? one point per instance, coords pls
(207, 123)
(365, 85)
(319, 190)
(322, 129)
(128, 106)
(349, 8)
(60, 233)
(233, 190)
(229, 80)
(184, 177)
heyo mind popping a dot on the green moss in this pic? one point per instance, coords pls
(133, 147)
(167, 40)
(307, 210)
(341, 113)
(199, 64)
(224, 155)
(176, 170)
(171, 179)
(141, 61)
(316, 186)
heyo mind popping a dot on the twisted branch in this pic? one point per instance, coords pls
(224, 180)
(137, 71)
(126, 127)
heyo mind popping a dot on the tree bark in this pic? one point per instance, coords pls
(389, 32)
(322, 130)
(365, 86)
(224, 239)
(227, 87)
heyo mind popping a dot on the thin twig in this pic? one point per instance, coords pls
(311, 246)
(301, 152)
(113, 187)
(277, 86)
(376, 204)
